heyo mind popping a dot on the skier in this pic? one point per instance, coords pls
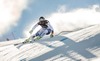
(46, 29)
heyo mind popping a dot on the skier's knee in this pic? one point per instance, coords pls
(49, 30)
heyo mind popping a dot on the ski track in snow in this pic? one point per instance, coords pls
(83, 44)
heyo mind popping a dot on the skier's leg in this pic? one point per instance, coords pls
(41, 33)
(31, 38)
(49, 30)
(45, 32)
(37, 35)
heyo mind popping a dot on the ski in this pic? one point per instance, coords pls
(28, 40)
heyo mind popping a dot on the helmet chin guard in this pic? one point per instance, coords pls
(41, 19)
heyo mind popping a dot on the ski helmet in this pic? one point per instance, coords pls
(41, 18)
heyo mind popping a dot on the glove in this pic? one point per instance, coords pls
(31, 31)
(51, 35)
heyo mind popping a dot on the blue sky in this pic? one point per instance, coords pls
(37, 8)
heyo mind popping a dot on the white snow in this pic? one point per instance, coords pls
(81, 45)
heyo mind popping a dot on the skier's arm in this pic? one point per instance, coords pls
(33, 28)
(52, 30)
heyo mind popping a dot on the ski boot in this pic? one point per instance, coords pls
(26, 41)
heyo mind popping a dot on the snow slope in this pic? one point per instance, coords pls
(82, 45)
